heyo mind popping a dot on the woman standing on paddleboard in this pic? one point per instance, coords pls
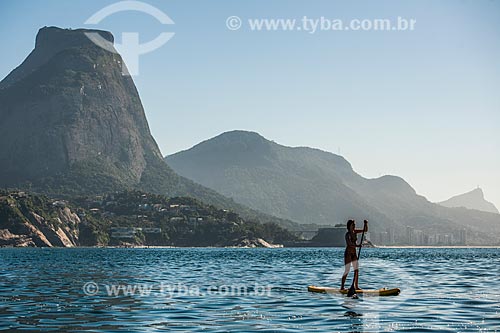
(350, 256)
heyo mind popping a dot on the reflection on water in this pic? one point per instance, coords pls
(245, 290)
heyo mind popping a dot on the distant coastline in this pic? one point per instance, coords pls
(277, 246)
(439, 247)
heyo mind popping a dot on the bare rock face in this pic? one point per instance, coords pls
(49, 42)
(9, 239)
(68, 107)
(27, 220)
(253, 242)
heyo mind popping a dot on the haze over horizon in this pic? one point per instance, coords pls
(422, 105)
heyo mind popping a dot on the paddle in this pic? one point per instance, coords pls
(352, 290)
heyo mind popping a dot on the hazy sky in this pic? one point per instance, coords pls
(422, 104)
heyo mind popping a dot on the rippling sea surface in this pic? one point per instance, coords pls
(246, 290)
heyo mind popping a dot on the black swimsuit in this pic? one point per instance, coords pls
(350, 250)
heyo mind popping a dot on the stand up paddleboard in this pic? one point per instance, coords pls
(376, 292)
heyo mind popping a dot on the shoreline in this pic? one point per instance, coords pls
(438, 247)
(250, 247)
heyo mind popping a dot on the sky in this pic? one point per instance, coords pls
(421, 104)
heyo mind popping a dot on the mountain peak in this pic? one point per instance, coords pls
(237, 141)
(241, 136)
(477, 192)
(472, 200)
(241, 133)
(49, 42)
(58, 38)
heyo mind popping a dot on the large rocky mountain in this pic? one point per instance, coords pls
(67, 108)
(71, 124)
(471, 200)
(309, 185)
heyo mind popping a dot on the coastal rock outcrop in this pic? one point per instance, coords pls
(253, 242)
(27, 220)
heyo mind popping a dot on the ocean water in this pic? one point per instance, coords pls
(246, 290)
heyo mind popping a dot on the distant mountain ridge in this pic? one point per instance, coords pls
(471, 200)
(312, 186)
